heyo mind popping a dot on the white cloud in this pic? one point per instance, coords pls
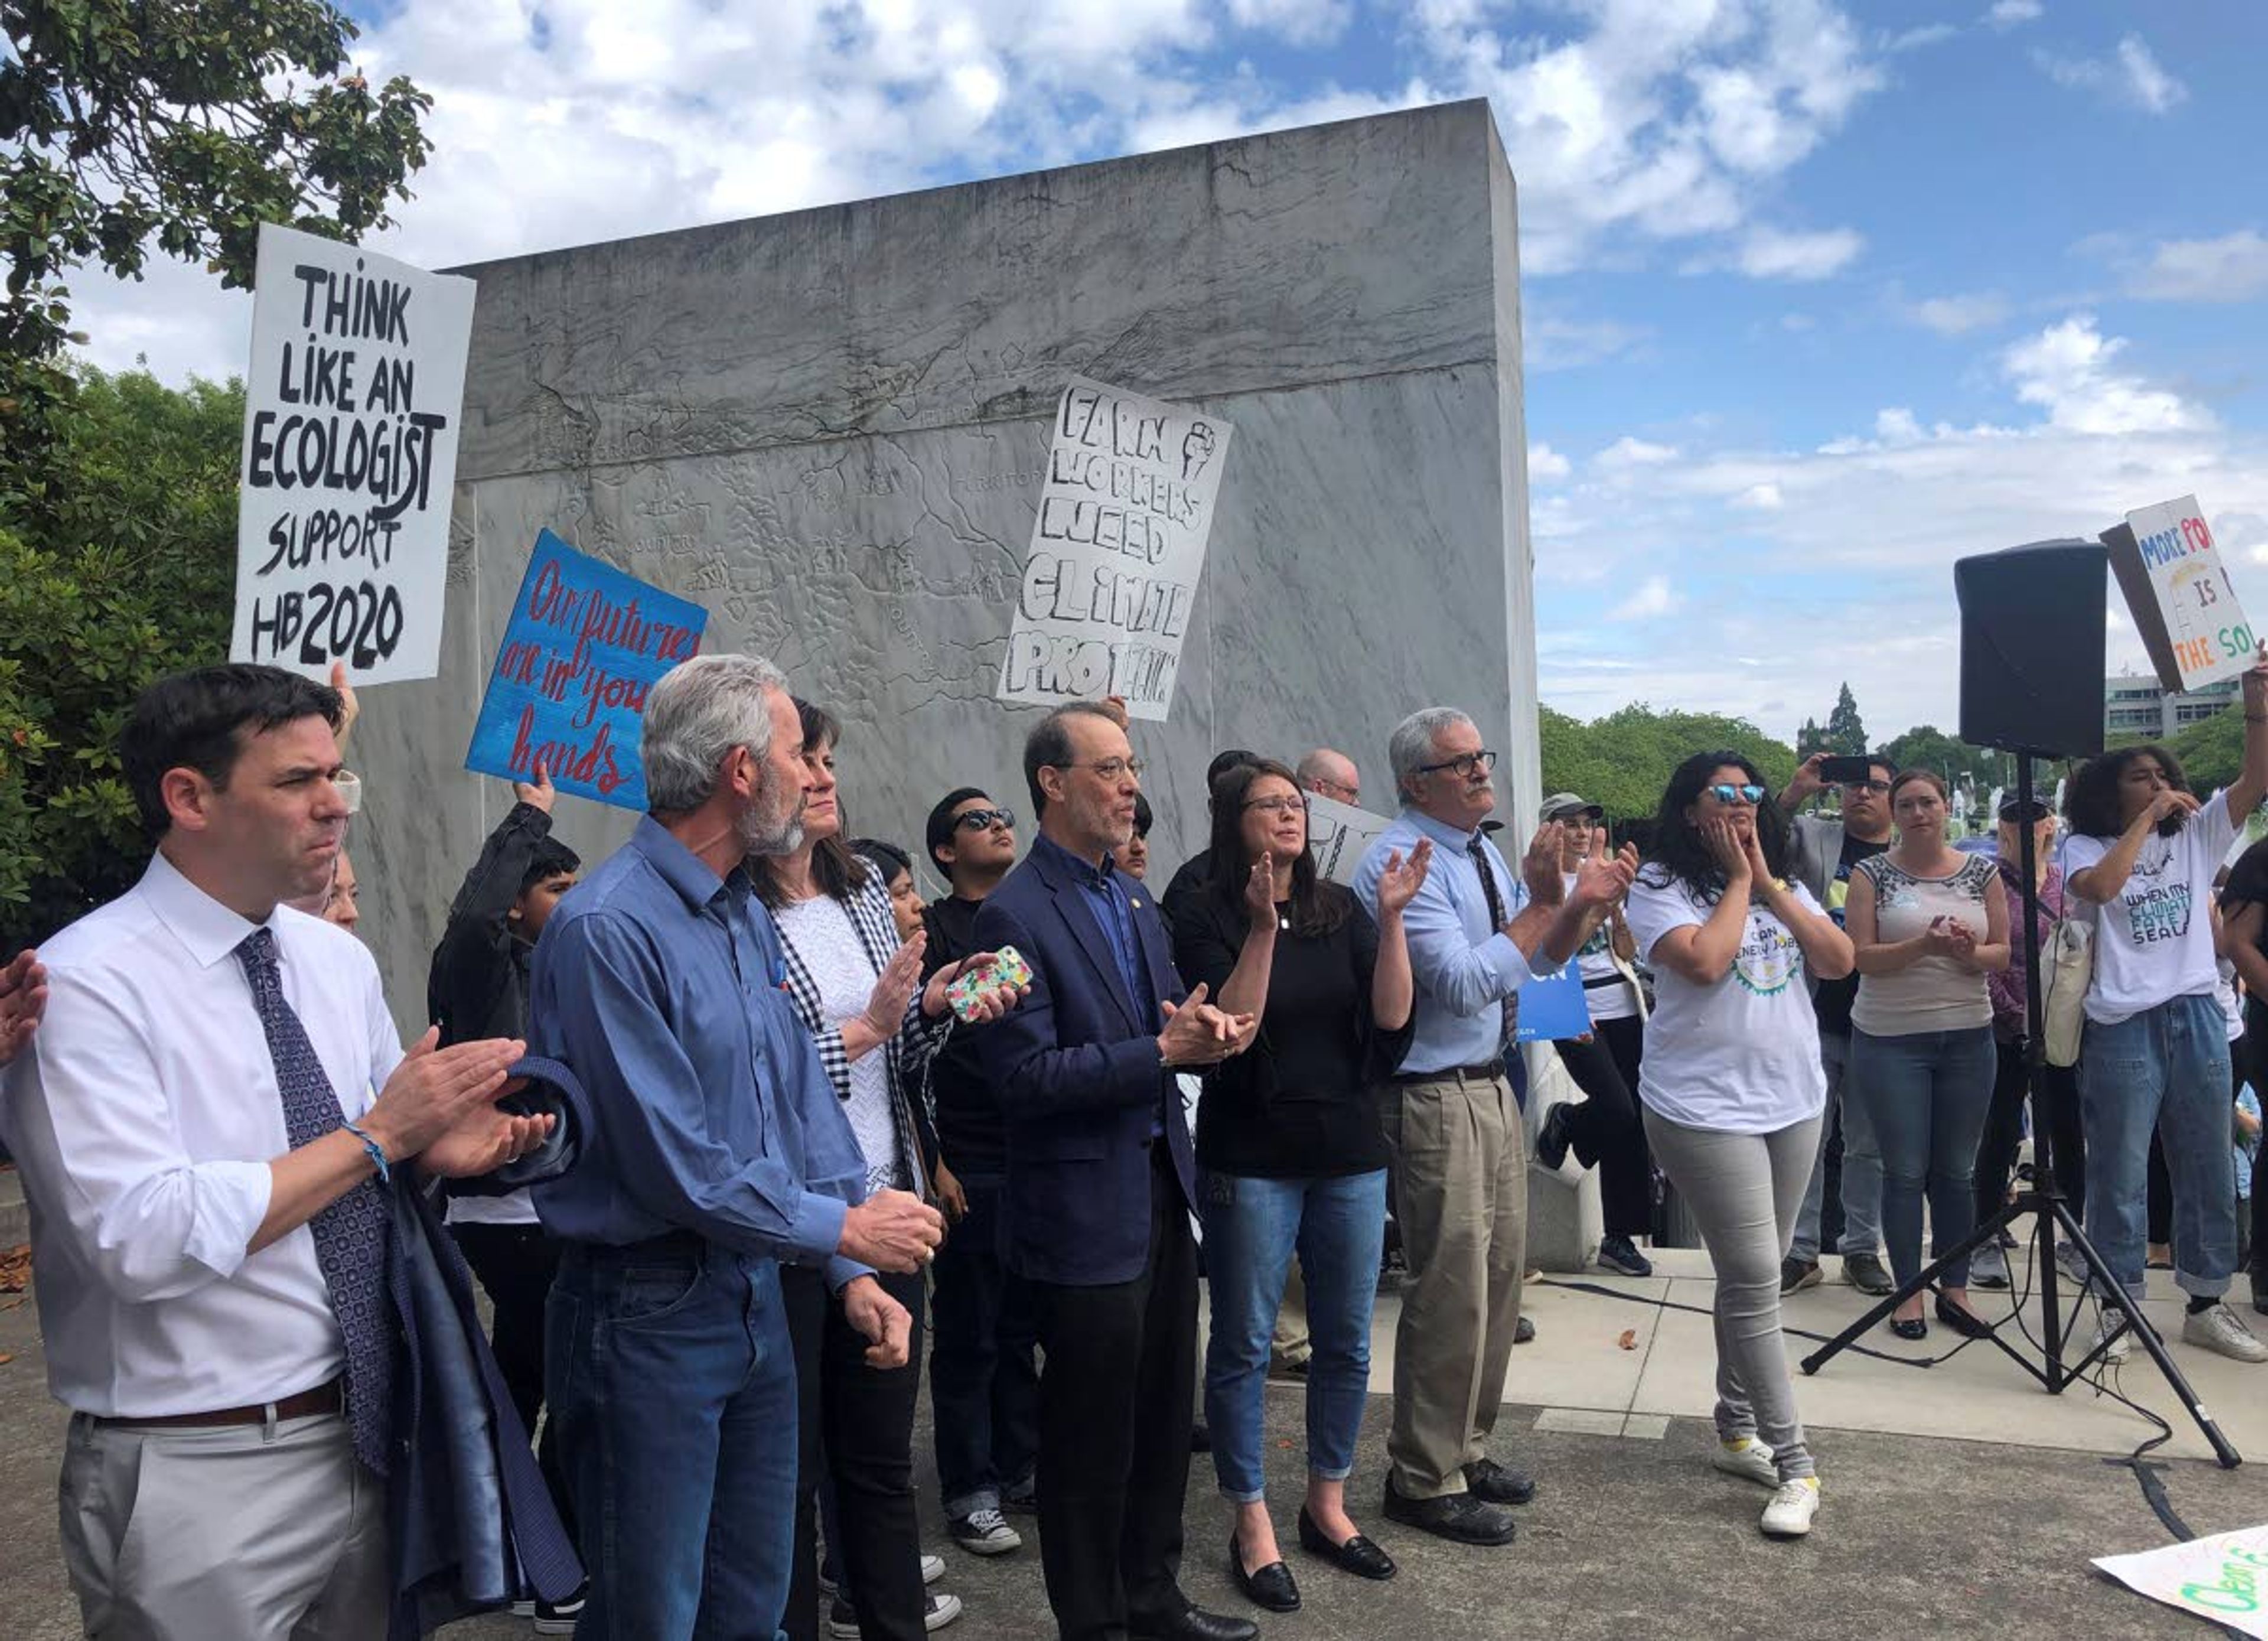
(2067, 369)
(1553, 341)
(1634, 452)
(1957, 315)
(1773, 254)
(2131, 75)
(1927, 34)
(2013, 13)
(1302, 22)
(2231, 269)
(1653, 597)
(1763, 497)
(1545, 463)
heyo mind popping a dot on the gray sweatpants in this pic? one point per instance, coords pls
(1744, 1190)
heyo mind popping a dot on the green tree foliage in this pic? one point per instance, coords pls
(1844, 732)
(1928, 747)
(131, 579)
(1809, 739)
(178, 122)
(1624, 760)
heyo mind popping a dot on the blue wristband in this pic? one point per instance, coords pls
(376, 1153)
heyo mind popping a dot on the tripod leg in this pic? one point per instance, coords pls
(1923, 1280)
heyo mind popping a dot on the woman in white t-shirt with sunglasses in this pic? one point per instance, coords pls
(1731, 1084)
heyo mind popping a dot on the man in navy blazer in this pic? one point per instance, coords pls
(1099, 1185)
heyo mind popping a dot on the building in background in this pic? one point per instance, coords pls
(2136, 703)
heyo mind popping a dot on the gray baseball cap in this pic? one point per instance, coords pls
(1567, 805)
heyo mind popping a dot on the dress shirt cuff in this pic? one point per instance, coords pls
(816, 1231)
(842, 1272)
(230, 1202)
(1502, 956)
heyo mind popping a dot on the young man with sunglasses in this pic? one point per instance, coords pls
(983, 1382)
(1825, 853)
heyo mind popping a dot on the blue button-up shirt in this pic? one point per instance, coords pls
(1106, 898)
(657, 983)
(1463, 965)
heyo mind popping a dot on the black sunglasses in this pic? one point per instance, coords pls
(979, 820)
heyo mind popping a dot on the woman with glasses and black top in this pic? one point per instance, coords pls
(1292, 1153)
(1732, 1087)
(1927, 922)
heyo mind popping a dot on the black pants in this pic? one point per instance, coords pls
(983, 1384)
(515, 1265)
(2004, 1131)
(1117, 1397)
(859, 1423)
(1604, 1131)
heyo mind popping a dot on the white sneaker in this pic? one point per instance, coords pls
(2219, 1331)
(943, 1609)
(1747, 1458)
(1789, 1515)
(2112, 1324)
(933, 1569)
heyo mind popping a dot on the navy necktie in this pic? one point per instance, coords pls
(1477, 848)
(350, 1233)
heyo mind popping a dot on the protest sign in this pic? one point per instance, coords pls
(1552, 1006)
(2180, 595)
(1125, 512)
(2223, 1579)
(1338, 835)
(350, 413)
(584, 644)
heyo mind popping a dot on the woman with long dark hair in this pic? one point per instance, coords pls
(1731, 1086)
(1927, 923)
(1291, 1152)
(858, 990)
(2155, 1055)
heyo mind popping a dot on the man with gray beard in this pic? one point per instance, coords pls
(716, 1149)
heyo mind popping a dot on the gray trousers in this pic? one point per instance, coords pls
(1742, 1190)
(1862, 1167)
(253, 1532)
(1460, 1196)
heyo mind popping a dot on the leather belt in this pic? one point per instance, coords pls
(324, 1398)
(1486, 1073)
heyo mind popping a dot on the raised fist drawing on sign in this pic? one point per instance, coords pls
(1196, 450)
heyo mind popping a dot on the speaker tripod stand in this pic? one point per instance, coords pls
(2053, 1214)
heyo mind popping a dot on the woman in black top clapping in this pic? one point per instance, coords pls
(1290, 1151)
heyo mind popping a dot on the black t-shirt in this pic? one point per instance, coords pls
(970, 1133)
(1834, 998)
(1300, 1102)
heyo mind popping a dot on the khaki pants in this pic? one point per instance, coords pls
(1460, 1196)
(1289, 1345)
(253, 1533)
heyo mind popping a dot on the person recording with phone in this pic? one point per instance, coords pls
(2155, 1054)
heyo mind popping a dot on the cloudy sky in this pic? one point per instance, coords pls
(1818, 298)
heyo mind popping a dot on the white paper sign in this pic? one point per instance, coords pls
(1338, 835)
(350, 417)
(2183, 604)
(1111, 578)
(2223, 1579)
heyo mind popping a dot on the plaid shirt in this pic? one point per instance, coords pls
(906, 1055)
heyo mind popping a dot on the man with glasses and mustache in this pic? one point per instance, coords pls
(1476, 935)
(1825, 852)
(983, 1384)
(1099, 1185)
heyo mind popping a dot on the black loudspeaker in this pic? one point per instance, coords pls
(2032, 649)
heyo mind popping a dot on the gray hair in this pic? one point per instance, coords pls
(696, 714)
(1321, 764)
(1410, 747)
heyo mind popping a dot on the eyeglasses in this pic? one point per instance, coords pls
(1109, 769)
(1749, 794)
(1277, 806)
(1866, 786)
(1471, 764)
(982, 819)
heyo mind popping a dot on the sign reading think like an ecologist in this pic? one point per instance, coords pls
(2179, 594)
(584, 645)
(1111, 578)
(350, 413)
(2223, 1579)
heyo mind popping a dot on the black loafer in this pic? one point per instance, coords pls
(1552, 1140)
(1967, 1325)
(1194, 1624)
(1493, 1484)
(1916, 1329)
(1272, 1586)
(1358, 1556)
(1459, 1517)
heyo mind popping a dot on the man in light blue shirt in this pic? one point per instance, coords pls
(1460, 1151)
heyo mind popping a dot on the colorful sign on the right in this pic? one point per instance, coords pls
(2180, 595)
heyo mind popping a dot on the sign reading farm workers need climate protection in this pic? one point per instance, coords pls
(350, 413)
(2179, 594)
(584, 645)
(1116, 550)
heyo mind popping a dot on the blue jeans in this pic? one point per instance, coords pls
(669, 1373)
(2167, 1068)
(983, 1385)
(1926, 1094)
(1251, 1228)
(1862, 1169)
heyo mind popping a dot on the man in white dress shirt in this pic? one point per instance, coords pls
(208, 1300)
